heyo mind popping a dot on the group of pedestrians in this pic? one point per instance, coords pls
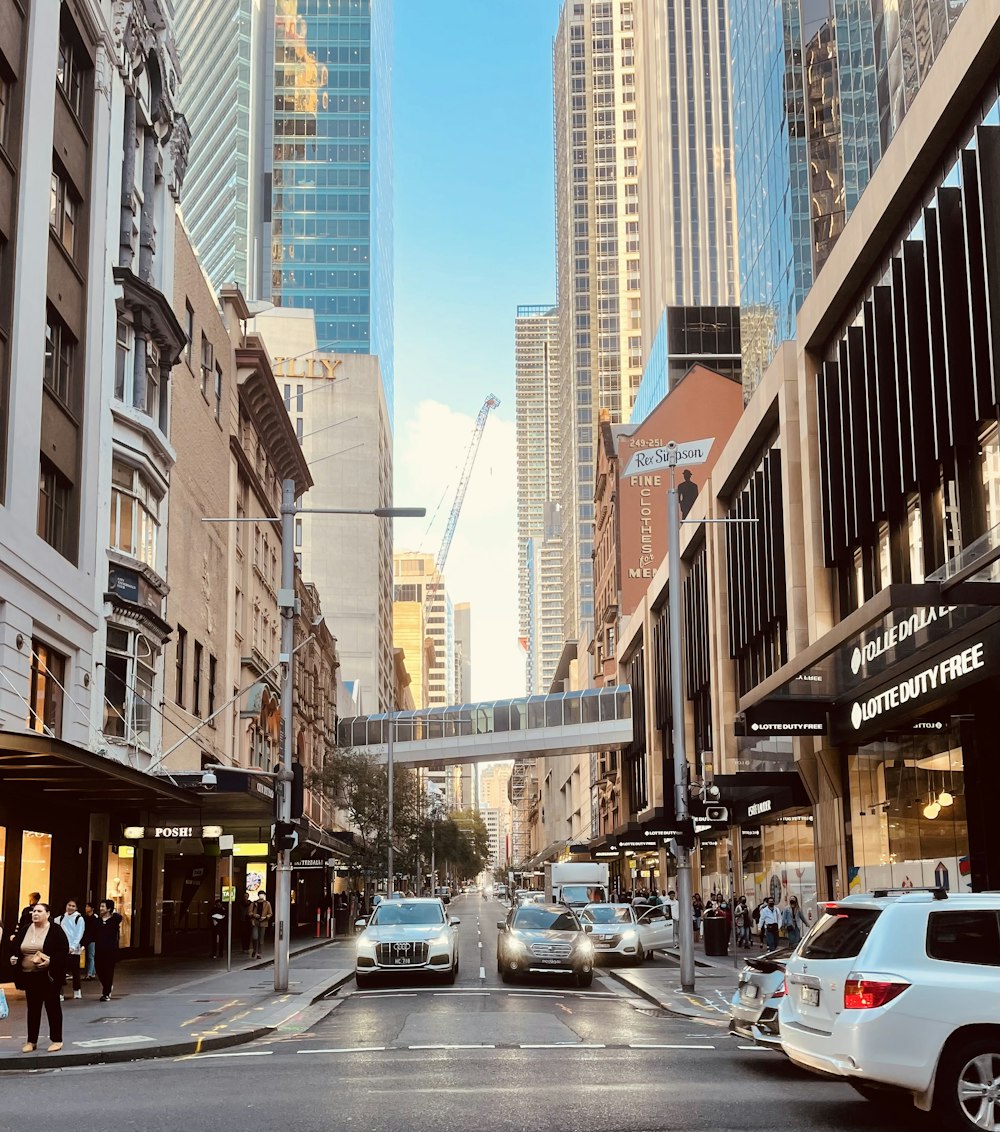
(769, 921)
(45, 952)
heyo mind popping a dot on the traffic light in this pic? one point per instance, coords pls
(297, 787)
(284, 835)
(686, 839)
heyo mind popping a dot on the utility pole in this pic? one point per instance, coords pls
(684, 891)
(286, 603)
(391, 814)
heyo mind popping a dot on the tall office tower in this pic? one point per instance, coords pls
(417, 580)
(348, 557)
(494, 794)
(536, 378)
(463, 653)
(819, 89)
(544, 559)
(291, 116)
(597, 251)
(687, 189)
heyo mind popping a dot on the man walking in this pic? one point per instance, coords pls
(107, 929)
(261, 915)
(770, 921)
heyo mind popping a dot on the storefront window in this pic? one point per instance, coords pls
(779, 861)
(120, 890)
(907, 813)
(36, 861)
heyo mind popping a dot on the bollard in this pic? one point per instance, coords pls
(319, 913)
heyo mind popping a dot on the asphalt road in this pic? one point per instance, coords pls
(423, 1057)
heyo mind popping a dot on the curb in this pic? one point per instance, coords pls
(301, 951)
(153, 1051)
(649, 996)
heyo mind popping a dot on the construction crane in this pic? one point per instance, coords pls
(489, 405)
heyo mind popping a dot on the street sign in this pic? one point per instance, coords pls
(673, 454)
(228, 893)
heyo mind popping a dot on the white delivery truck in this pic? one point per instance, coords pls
(576, 883)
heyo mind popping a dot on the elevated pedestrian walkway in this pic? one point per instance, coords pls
(559, 724)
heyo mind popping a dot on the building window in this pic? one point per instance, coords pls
(196, 666)
(129, 676)
(915, 539)
(989, 475)
(48, 678)
(5, 108)
(60, 359)
(135, 514)
(69, 75)
(884, 556)
(63, 211)
(207, 365)
(123, 348)
(213, 671)
(152, 407)
(53, 507)
(298, 429)
(218, 392)
(188, 331)
(182, 638)
(298, 398)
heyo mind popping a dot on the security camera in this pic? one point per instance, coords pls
(208, 779)
(712, 792)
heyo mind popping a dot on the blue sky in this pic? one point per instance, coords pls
(474, 237)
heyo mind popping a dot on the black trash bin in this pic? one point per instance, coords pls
(716, 935)
(341, 921)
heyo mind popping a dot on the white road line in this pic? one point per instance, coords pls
(555, 995)
(242, 1053)
(390, 994)
(756, 1049)
(442, 1046)
(564, 1045)
(347, 1049)
(462, 994)
(482, 972)
(657, 1045)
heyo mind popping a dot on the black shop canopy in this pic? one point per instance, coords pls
(38, 766)
(904, 653)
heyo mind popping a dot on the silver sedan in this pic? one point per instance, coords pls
(407, 935)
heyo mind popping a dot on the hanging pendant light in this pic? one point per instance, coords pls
(931, 810)
(945, 799)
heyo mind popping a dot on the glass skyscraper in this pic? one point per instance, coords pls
(819, 89)
(293, 168)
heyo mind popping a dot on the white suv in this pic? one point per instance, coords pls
(900, 991)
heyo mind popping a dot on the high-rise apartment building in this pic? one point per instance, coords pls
(597, 249)
(820, 88)
(291, 111)
(537, 383)
(687, 190)
(463, 653)
(348, 557)
(417, 580)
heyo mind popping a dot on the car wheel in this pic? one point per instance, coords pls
(968, 1084)
(506, 975)
(584, 978)
(363, 981)
(451, 976)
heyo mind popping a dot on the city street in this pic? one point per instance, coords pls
(421, 1056)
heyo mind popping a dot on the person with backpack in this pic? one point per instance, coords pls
(73, 925)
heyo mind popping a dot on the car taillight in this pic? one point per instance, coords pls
(781, 991)
(784, 986)
(864, 993)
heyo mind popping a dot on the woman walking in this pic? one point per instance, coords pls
(791, 918)
(697, 912)
(106, 931)
(41, 954)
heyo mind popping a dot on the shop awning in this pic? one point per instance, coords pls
(753, 795)
(827, 687)
(37, 765)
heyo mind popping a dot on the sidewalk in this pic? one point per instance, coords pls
(163, 1007)
(716, 980)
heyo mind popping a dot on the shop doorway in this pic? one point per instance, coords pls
(832, 882)
(188, 892)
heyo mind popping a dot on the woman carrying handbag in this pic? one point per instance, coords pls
(40, 956)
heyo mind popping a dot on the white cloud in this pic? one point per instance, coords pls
(429, 453)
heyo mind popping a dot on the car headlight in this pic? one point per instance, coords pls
(515, 944)
(630, 936)
(441, 940)
(585, 945)
(365, 945)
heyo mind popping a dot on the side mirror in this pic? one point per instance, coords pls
(501, 924)
(360, 923)
(454, 921)
(588, 928)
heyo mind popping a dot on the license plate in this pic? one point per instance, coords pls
(401, 962)
(809, 995)
(749, 991)
(602, 942)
